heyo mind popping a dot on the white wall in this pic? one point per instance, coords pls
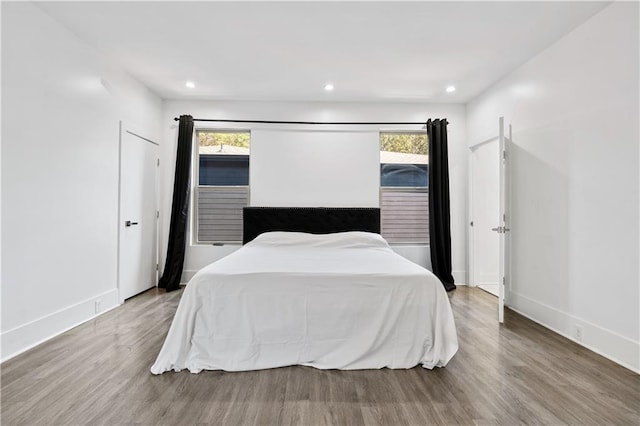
(574, 111)
(311, 168)
(198, 256)
(61, 105)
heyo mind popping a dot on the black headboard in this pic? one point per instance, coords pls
(313, 220)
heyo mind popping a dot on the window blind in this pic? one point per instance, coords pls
(405, 215)
(220, 213)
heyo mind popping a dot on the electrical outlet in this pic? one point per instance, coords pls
(97, 306)
(578, 333)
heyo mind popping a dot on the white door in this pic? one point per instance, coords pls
(489, 234)
(485, 209)
(503, 229)
(138, 214)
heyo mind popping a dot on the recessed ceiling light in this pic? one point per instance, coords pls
(451, 89)
(190, 84)
(328, 87)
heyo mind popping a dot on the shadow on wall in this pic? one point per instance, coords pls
(540, 212)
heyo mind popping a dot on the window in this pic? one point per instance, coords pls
(404, 187)
(222, 189)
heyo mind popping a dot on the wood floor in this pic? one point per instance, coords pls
(520, 373)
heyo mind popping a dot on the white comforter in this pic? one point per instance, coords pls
(343, 301)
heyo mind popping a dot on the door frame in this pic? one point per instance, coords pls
(506, 170)
(471, 260)
(125, 127)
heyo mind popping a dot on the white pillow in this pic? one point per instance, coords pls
(351, 239)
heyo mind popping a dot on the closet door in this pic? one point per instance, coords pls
(138, 254)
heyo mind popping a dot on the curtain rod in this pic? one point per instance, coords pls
(350, 123)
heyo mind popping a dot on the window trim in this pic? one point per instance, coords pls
(404, 132)
(195, 186)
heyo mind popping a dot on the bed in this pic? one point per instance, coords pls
(339, 300)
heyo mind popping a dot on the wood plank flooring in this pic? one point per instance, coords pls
(520, 373)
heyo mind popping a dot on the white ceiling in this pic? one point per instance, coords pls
(370, 51)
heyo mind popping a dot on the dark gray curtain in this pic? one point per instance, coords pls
(439, 205)
(179, 208)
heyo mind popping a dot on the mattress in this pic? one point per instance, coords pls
(334, 301)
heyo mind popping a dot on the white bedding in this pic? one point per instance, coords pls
(340, 301)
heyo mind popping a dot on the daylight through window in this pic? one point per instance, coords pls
(404, 186)
(223, 185)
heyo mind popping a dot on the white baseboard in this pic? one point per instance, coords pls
(609, 344)
(187, 274)
(33, 333)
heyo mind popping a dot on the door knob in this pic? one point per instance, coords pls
(129, 223)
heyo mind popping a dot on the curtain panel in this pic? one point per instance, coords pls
(439, 203)
(179, 208)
